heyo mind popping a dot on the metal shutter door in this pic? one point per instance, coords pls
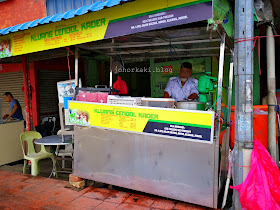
(48, 96)
(12, 82)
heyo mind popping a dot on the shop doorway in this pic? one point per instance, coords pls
(137, 77)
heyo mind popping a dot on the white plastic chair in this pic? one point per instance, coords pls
(67, 152)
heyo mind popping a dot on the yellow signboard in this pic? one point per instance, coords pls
(128, 18)
(176, 123)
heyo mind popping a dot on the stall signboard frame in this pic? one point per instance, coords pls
(190, 125)
(120, 20)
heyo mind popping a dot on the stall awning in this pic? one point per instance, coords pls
(62, 16)
(92, 23)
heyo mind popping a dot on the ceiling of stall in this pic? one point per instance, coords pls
(190, 42)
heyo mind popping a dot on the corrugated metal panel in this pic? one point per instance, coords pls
(48, 95)
(63, 6)
(12, 82)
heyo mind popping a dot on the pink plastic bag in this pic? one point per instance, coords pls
(87, 96)
(102, 97)
(261, 188)
(97, 97)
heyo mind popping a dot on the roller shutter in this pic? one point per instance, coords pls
(12, 82)
(48, 97)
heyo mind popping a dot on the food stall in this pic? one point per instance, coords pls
(147, 147)
(146, 144)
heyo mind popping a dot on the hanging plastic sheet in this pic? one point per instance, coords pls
(222, 13)
(261, 188)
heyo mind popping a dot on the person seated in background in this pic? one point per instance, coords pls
(15, 108)
(183, 87)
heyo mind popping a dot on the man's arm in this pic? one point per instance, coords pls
(13, 111)
(168, 89)
(194, 89)
(193, 96)
(5, 116)
(166, 95)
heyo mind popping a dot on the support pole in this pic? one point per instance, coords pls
(111, 69)
(271, 89)
(26, 95)
(224, 163)
(1, 113)
(243, 69)
(218, 115)
(220, 86)
(230, 87)
(76, 67)
(35, 111)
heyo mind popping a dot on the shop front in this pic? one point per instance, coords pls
(11, 79)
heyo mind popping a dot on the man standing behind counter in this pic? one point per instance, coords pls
(183, 87)
(15, 108)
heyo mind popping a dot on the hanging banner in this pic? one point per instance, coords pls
(175, 123)
(128, 18)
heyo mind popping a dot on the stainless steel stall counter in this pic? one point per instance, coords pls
(171, 153)
(190, 105)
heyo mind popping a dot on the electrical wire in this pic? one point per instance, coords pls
(69, 69)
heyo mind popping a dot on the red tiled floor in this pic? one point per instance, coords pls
(107, 205)
(186, 206)
(12, 181)
(140, 200)
(163, 204)
(103, 190)
(20, 191)
(97, 195)
(132, 206)
(118, 197)
(87, 189)
(35, 180)
(86, 202)
(33, 187)
(15, 189)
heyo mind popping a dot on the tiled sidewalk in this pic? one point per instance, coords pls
(20, 191)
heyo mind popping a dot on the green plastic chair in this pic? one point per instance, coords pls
(31, 155)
